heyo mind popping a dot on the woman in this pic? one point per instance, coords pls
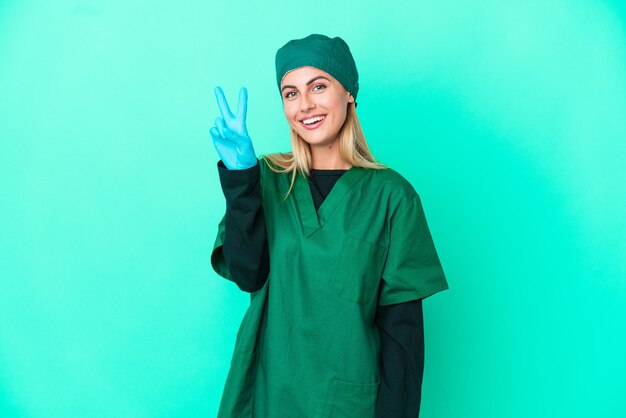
(334, 249)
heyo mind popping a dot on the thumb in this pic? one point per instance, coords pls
(214, 133)
(235, 137)
(221, 143)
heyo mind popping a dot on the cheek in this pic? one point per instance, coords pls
(290, 110)
(288, 115)
(335, 103)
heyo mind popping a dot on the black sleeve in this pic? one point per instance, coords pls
(245, 248)
(401, 329)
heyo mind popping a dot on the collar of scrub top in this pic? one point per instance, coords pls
(311, 220)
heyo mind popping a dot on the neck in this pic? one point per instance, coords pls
(326, 157)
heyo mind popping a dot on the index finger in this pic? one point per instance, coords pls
(243, 103)
(221, 102)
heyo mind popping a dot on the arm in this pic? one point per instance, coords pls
(245, 248)
(401, 329)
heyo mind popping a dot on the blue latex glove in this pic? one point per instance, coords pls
(230, 135)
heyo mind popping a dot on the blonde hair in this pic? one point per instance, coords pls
(353, 149)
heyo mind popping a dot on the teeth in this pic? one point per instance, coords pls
(312, 120)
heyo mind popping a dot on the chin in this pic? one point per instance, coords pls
(312, 138)
(317, 141)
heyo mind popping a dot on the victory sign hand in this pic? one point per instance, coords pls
(230, 135)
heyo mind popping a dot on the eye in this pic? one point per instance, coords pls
(319, 85)
(287, 96)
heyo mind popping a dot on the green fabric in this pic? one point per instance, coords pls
(308, 345)
(328, 54)
(217, 257)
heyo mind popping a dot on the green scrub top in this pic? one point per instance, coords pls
(308, 345)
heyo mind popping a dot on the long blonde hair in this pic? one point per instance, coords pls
(353, 149)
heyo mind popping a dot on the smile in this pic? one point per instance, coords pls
(313, 122)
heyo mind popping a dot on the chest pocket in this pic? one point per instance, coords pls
(359, 270)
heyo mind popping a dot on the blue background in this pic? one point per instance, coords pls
(507, 117)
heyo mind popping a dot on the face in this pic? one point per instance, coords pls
(308, 92)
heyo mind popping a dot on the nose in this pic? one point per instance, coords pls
(306, 103)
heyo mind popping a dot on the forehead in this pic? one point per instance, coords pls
(302, 75)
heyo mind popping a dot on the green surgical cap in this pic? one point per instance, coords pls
(328, 54)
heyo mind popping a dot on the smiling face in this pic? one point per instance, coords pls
(312, 95)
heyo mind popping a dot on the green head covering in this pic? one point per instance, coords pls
(328, 54)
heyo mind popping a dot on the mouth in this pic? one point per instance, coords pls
(313, 122)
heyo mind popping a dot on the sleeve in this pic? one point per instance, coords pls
(401, 330)
(412, 269)
(218, 261)
(240, 251)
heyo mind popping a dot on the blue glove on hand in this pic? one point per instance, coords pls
(230, 136)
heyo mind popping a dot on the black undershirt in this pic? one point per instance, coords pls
(400, 326)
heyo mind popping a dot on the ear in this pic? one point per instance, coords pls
(350, 98)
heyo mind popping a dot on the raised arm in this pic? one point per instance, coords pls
(245, 245)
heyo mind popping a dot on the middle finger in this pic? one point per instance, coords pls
(221, 102)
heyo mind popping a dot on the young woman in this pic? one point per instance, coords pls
(334, 249)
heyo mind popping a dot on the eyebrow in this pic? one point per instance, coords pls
(309, 82)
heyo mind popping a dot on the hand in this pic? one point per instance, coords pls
(230, 135)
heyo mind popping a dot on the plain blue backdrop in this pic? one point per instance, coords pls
(507, 117)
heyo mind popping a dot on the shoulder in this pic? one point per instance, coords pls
(275, 162)
(394, 192)
(273, 174)
(395, 185)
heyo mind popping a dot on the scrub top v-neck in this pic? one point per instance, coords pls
(313, 220)
(321, 182)
(308, 342)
